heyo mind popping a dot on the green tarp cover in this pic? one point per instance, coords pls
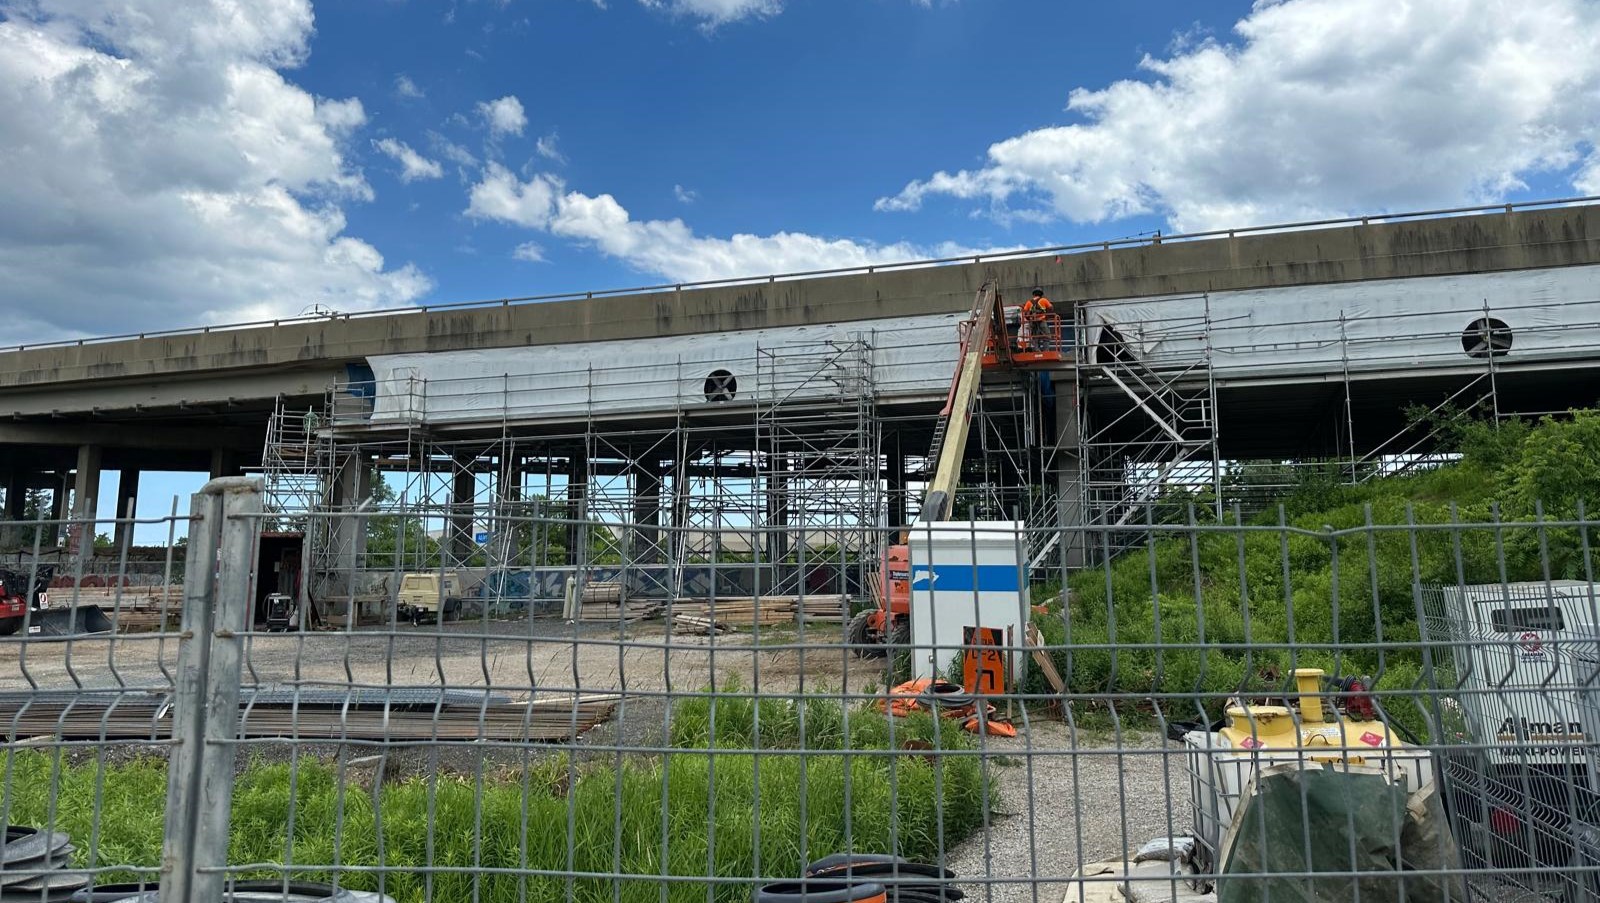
(1297, 823)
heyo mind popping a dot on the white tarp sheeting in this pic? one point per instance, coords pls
(1362, 326)
(910, 356)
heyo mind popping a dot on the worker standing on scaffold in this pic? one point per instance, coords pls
(1035, 312)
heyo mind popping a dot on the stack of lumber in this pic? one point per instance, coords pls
(698, 624)
(822, 608)
(741, 612)
(133, 608)
(632, 610)
(399, 715)
(603, 591)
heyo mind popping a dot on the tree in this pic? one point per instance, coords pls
(396, 538)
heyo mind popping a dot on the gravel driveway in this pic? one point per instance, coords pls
(1065, 801)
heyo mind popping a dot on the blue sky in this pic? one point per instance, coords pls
(175, 162)
(797, 122)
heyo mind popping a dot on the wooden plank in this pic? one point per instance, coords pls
(1041, 657)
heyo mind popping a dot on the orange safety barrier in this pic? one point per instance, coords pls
(902, 699)
(906, 698)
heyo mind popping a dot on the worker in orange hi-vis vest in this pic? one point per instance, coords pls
(1035, 312)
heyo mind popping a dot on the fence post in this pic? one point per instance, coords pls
(219, 573)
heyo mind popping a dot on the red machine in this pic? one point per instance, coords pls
(14, 592)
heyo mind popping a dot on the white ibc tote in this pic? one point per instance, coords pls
(966, 574)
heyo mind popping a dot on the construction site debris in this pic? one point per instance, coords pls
(1124, 881)
(1041, 657)
(399, 714)
(33, 865)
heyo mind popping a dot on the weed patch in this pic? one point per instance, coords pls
(711, 806)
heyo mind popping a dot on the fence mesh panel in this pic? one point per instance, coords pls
(1252, 710)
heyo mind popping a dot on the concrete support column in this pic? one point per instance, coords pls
(127, 504)
(224, 463)
(463, 493)
(347, 533)
(59, 494)
(897, 485)
(16, 495)
(647, 511)
(577, 506)
(85, 499)
(510, 478)
(776, 543)
(1070, 476)
(14, 535)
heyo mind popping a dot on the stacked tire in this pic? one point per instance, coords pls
(865, 878)
(34, 866)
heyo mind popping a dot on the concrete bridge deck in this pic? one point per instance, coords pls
(199, 399)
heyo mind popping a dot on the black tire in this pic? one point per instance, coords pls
(8, 626)
(900, 634)
(819, 890)
(898, 647)
(947, 696)
(855, 634)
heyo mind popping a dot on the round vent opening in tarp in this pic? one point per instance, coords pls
(721, 386)
(1486, 337)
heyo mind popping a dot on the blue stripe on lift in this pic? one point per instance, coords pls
(987, 578)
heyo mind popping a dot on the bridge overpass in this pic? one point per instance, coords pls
(1191, 315)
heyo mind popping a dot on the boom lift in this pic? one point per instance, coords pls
(985, 341)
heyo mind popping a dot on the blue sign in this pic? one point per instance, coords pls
(986, 578)
(481, 538)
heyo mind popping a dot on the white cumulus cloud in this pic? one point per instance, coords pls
(1318, 107)
(413, 166)
(405, 88)
(160, 170)
(685, 195)
(712, 13)
(504, 115)
(546, 147)
(669, 248)
(529, 251)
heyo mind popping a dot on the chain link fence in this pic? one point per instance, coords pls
(1236, 710)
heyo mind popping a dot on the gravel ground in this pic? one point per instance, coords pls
(1065, 801)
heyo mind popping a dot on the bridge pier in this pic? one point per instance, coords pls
(577, 507)
(16, 510)
(463, 491)
(647, 511)
(347, 534)
(224, 463)
(85, 499)
(897, 484)
(127, 505)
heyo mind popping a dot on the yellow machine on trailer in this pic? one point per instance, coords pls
(1299, 803)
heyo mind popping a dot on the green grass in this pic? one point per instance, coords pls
(1234, 611)
(727, 813)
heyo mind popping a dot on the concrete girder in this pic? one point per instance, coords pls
(303, 357)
